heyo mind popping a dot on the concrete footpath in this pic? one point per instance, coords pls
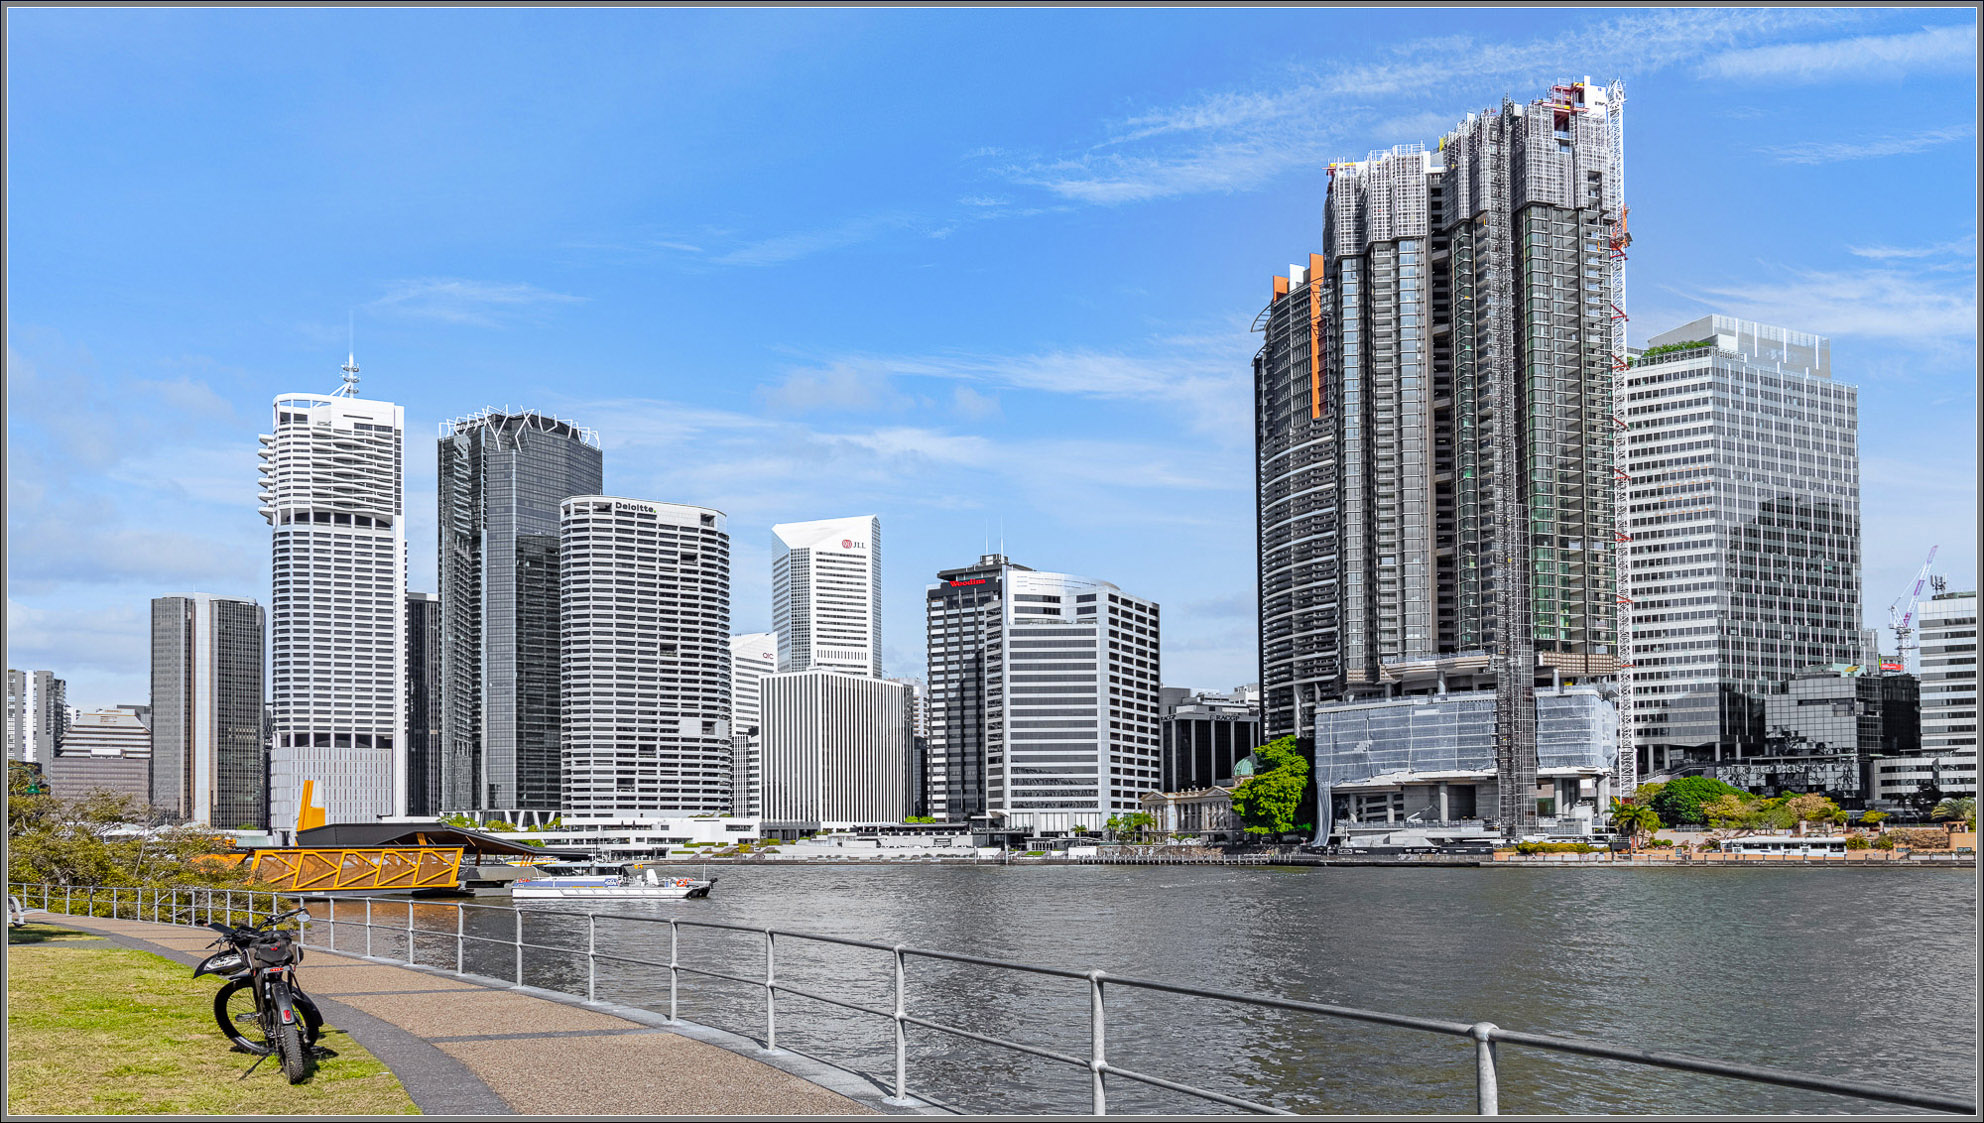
(464, 1048)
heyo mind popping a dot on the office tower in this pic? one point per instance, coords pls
(827, 595)
(332, 486)
(102, 751)
(209, 760)
(423, 704)
(1201, 737)
(752, 657)
(836, 751)
(955, 621)
(918, 701)
(1434, 432)
(1043, 699)
(1742, 532)
(645, 624)
(37, 714)
(501, 478)
(1947, 630)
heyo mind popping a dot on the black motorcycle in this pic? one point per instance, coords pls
(263, 1009)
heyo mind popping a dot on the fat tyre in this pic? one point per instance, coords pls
(295, 1056)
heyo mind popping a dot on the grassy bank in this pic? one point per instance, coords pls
(95, 1029)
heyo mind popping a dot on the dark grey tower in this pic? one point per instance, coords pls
(502, 477)
(423, 704)
(210, 761)
(959, 610)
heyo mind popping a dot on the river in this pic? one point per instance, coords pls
(1860, 974)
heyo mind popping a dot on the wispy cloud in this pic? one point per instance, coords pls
(457, 301)
(790, 247)
(1962, 248)
(1232, 140)
(1880, 303)
(1879, 58)
(1833, 152)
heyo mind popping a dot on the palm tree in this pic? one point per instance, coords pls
(1634, 819)
(1965, 809)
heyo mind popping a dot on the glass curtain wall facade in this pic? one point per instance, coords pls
(502, 477)
(1742, 531)
(423, 703)
(958, 610)
(827, 595)
(209, 755)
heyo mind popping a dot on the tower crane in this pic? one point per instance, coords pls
(1901, 616)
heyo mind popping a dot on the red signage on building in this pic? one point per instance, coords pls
(973, 581)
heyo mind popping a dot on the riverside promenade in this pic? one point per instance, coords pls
(463, 1048)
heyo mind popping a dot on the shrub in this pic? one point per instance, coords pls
(1555, 848)
(1885, 842)
(1857, 842)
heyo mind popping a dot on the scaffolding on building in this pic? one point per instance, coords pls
(1614, 201)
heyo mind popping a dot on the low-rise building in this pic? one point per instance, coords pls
(104, 750)
(1205, 812)
(1202, 736)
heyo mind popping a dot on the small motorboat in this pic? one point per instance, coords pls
(650, 886)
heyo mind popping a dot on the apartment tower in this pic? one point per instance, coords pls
(332, 487)
(1434, 431)
(501, 479)
(646, 664)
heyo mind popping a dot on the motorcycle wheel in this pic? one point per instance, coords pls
(234, 1011)
(290, 1050)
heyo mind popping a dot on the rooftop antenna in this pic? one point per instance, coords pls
(350, 367)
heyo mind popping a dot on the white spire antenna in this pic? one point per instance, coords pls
(350, 367)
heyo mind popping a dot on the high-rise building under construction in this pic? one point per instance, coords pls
(1434, 426)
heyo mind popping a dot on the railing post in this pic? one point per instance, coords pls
(674, 964)
(68, 909)
(1096, 1060)
(368, 926)
(460, 911)
(592, 944)
(113, 902)
(409, 931)
(771, 1006)
(902, 1033)
(1487, 1088)
(520, 944)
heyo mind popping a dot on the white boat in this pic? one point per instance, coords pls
(648, 887)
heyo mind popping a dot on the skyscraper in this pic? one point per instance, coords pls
(37, 714)
(1741, 532)
(1433, 405)
(1043, 703)
(209, 762)
(645, 620)
(501, 478)
(1948, 632)
(955, 622)
(752, 657)
(827, 595)
(332, 486)
(423, 704)
(836, 752)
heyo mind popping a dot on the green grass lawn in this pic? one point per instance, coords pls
(95, 1029)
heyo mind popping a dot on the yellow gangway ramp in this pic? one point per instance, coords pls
(329, 870)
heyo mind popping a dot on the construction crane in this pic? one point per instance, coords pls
(1901, 617)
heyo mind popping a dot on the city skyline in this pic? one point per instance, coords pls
(1099, 420)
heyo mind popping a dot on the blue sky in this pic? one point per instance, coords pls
(975, 272)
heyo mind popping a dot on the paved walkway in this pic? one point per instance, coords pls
(462, 1048)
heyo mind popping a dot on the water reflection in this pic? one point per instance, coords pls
(1862, 974)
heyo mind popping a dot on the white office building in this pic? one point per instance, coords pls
(332, 486)
(836, 752)
(646, 663)
(1947, 629)
(37, 714)
(827, 595)
(1071, 703)
(1741, 534)
(752, 657)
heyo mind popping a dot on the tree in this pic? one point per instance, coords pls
(1269, 801)
(1811, 808)
(1634, 820)
(1964, 808)
(1727, 812)
(1679, 802)
(1873, 818)
(1927, 794)
(109, 840)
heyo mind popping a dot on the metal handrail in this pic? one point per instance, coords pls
(1483, 1036)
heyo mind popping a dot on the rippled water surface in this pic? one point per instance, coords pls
(1861, 974)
